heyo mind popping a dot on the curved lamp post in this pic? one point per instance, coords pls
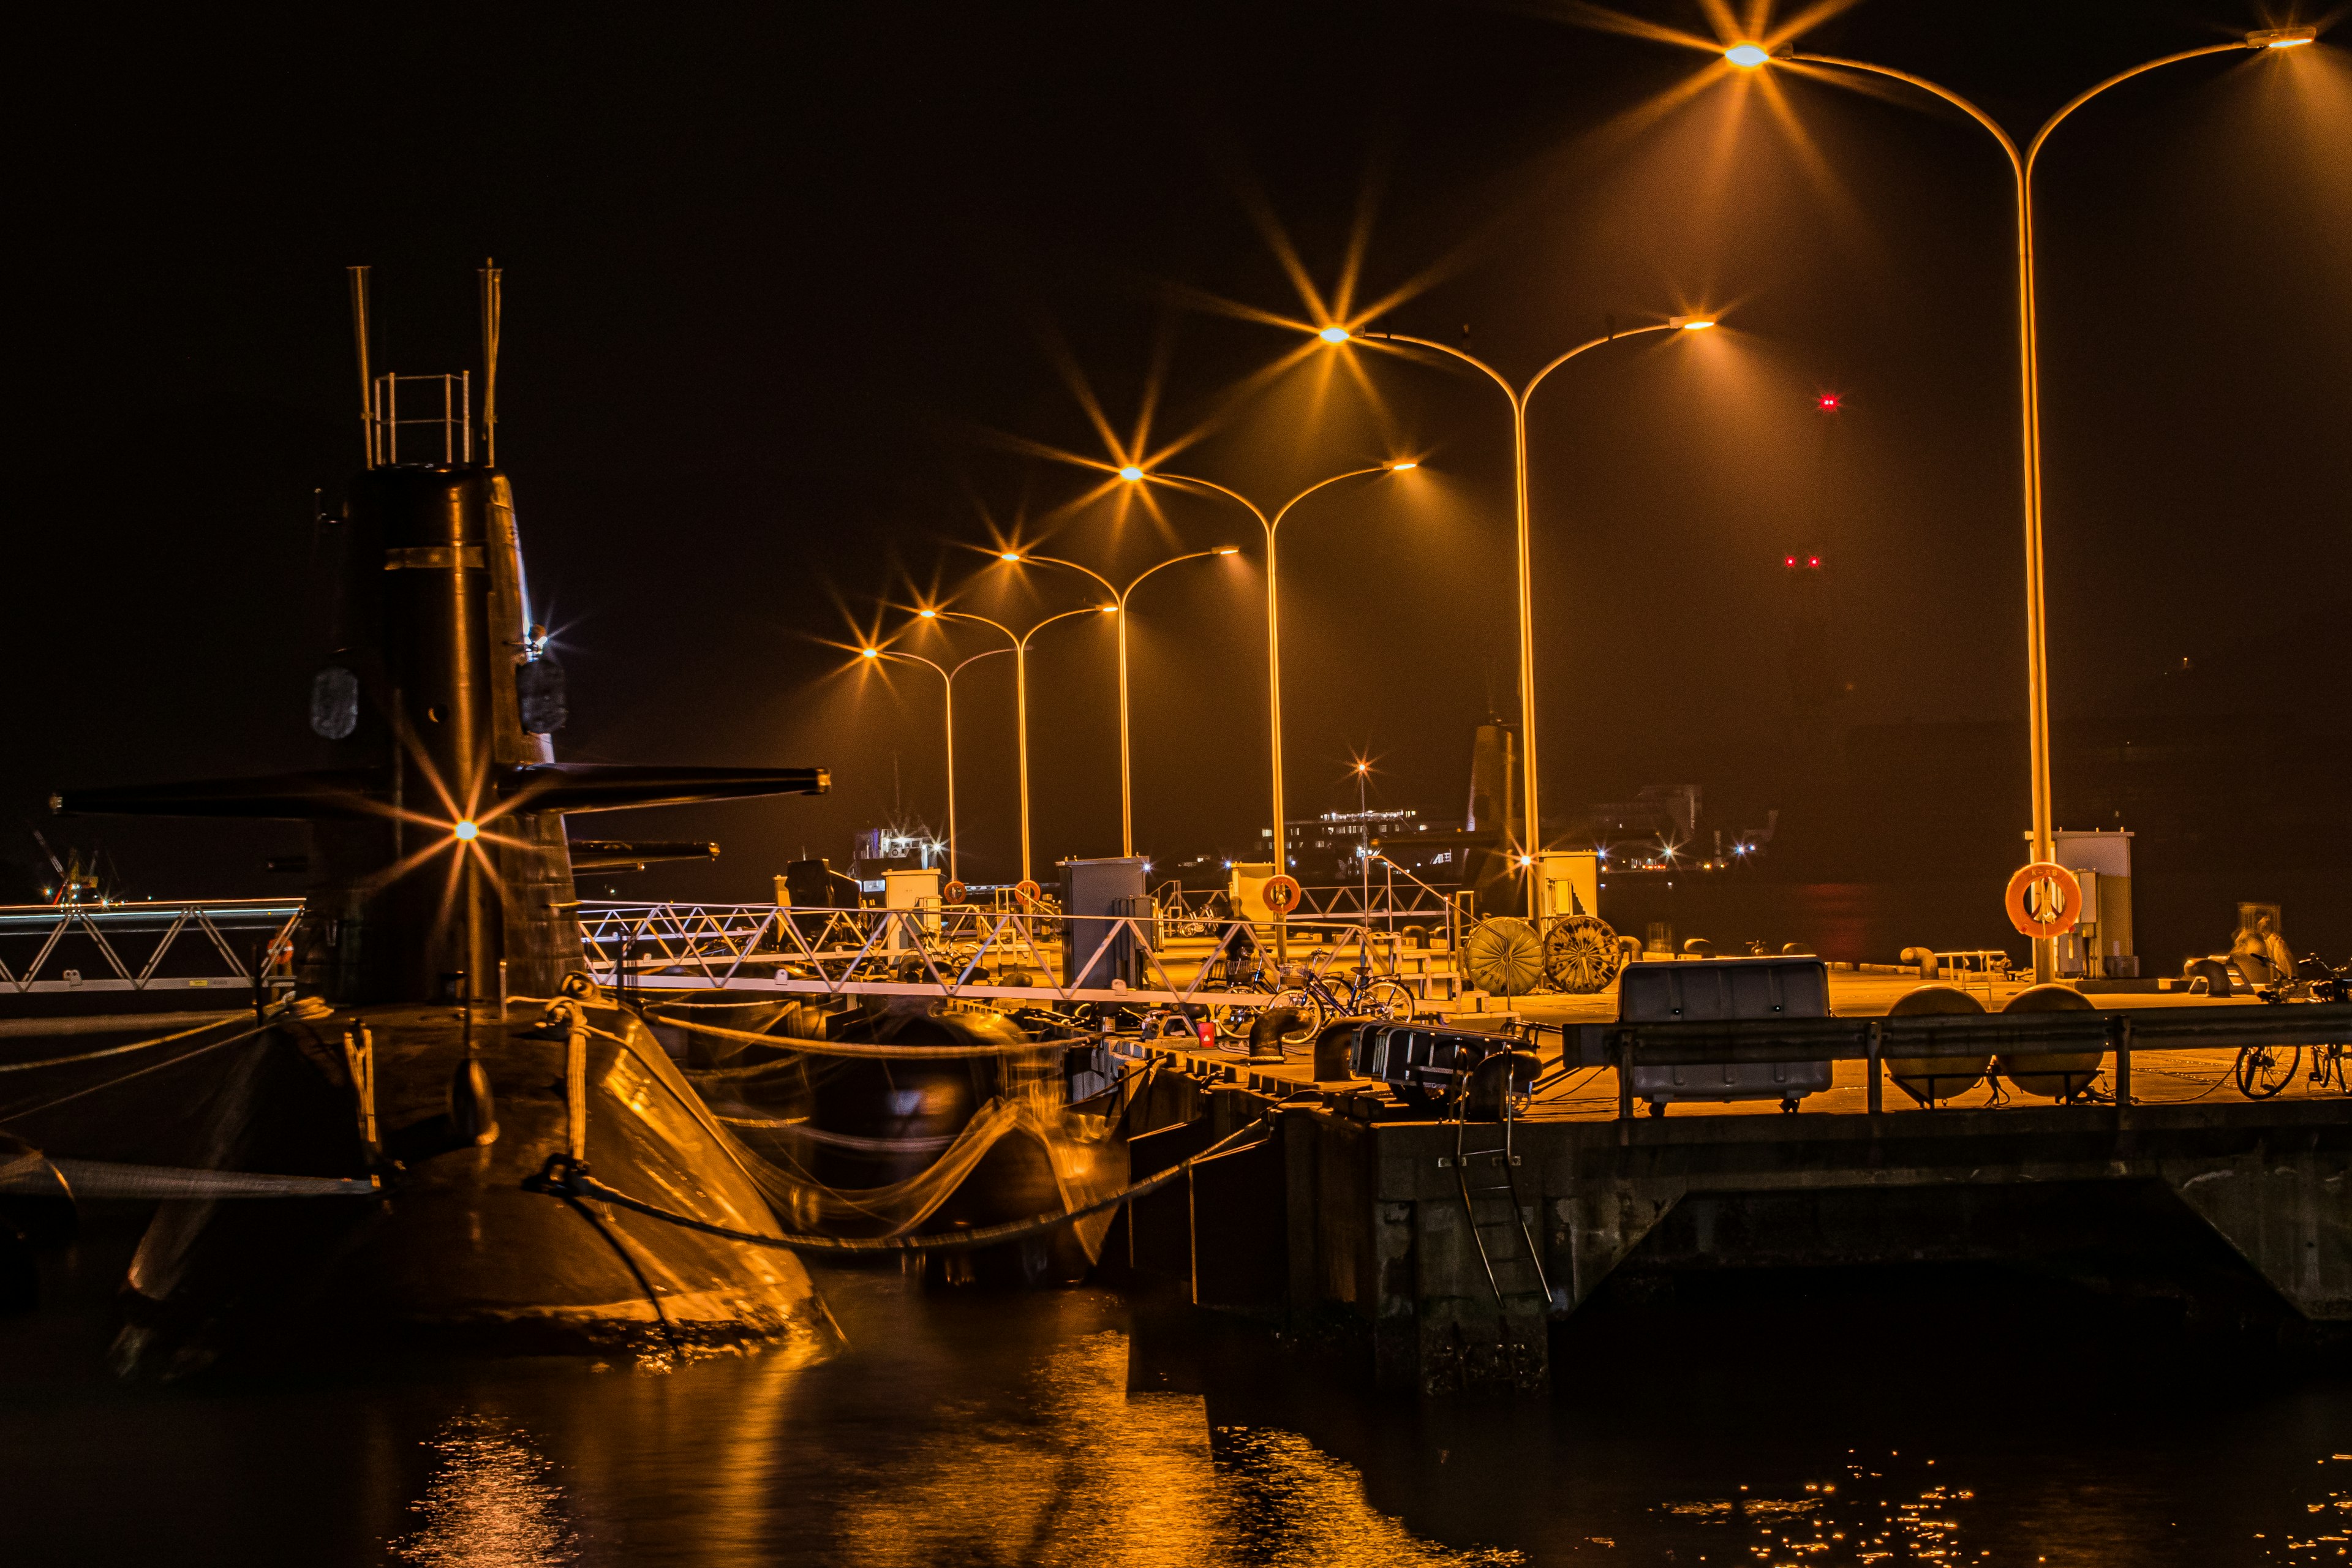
(1133, 475)
(1118, 606)
(948, 677)
(1529, 780)
(1748, 56)
(1020, 645)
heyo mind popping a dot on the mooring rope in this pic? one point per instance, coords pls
(854, 1047)
(575, 1184)
(31, 1170)
(123, 1050)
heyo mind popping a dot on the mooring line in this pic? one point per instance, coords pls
(578, 1183)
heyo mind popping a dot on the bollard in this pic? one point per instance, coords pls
(1266, 1034)
(1335, 1051)
(359, 1056)
(575, 1085)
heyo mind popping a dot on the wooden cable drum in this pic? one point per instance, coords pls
(2052, 1075)
(1930, 1079)
(1580, 954)
(1503, 957)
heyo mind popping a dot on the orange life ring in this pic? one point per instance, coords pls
(955, 892)
(2043, 900)
(1026, 889)
(1281, 894)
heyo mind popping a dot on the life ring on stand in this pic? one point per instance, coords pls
(1281, 894)
(2043, 900)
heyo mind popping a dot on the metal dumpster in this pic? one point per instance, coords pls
(1718, 989)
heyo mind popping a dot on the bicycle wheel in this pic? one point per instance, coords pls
(1383, 999)
(1310, 1016)
(2263, 1070)
(2327, 1063)
(1234, 1024)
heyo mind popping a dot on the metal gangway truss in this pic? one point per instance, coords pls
(1010, 958)
(213, 945)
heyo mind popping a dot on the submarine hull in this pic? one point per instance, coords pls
(464, 1248)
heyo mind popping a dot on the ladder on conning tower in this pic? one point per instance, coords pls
(1513, 1265)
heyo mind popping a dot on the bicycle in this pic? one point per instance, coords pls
(1306, 989)
(2262, 1071)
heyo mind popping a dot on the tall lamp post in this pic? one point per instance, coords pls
(1020, 645)
(1529, 792)
(1134, 475)
(947, 677)
(1118, 605)
(1750, 56)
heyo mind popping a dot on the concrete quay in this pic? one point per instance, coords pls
(1361, 1217)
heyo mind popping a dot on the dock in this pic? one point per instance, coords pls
(1454, 1247)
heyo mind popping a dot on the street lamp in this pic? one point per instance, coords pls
(1272, 615)
(1529, 792)
(948, 677)
(2020, 167)
(1117, 607)
(1020, 643)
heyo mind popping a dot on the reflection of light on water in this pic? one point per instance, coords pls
(1826, 1526)
(489, 1503)
(1298, 1505)
(2328, 1522)
(1088, 1473)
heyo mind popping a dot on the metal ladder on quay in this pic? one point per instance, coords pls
(1492, 1259)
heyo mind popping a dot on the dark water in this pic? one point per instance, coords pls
(1078, 1428)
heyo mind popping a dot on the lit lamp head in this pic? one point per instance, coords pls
(1333, 334)
(468, 831)
(1690, 323)
(1229, 549)
(1130, 473)
(1011, 556)
(929, 615)
(1746, 57)
(869, 653)
(1107, 609)
(2282, 37)
(1410, 463)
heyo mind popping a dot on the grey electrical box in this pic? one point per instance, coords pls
(1095, 894)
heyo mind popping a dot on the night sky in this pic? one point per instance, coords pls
(798, 297)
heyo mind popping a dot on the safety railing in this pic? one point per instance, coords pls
(955, 952)
(1971, 1041)
(212, 944)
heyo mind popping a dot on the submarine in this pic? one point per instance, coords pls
(446, 1041)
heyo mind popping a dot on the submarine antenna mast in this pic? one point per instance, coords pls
(359, 336)
(490, 303)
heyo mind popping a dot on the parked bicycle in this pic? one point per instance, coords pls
(2262, 1071)
(1307, 989)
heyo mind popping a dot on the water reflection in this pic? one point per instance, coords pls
(1077, 1426)
(1068, 1467)
(489, 1503)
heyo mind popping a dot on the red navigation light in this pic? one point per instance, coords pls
(1814, 562)
(1791, 561)
(1827, 401)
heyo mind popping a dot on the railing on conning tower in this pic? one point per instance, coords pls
(455, 421)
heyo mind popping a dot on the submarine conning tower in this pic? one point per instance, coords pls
(426, 685)
(439, 865)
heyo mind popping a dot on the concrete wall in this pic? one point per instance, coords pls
(2242, 1212)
